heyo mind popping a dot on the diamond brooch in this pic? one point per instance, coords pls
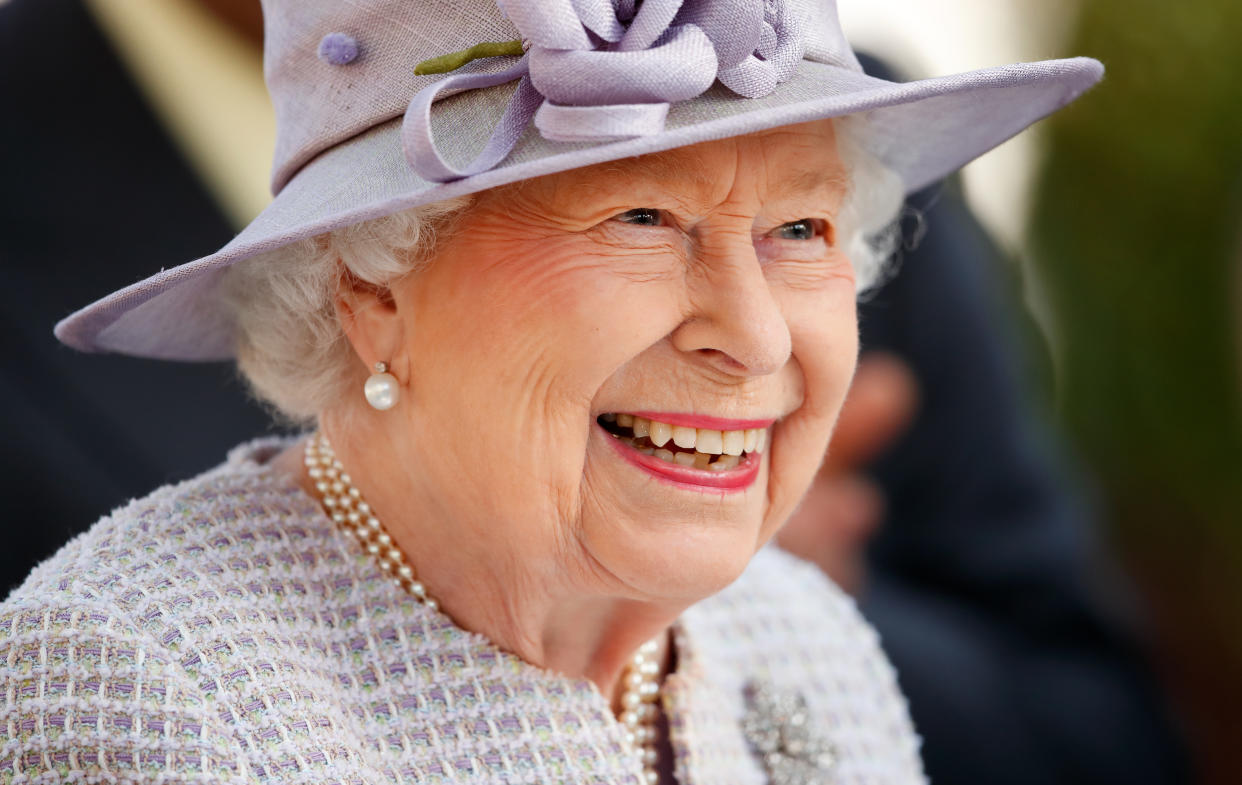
(778, 725)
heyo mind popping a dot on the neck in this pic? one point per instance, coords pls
(591, 637)
(553, 612)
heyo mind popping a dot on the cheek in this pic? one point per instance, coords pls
(566, 306)
(513, 350)
(541, 325)
(824, 336)
(824, 331)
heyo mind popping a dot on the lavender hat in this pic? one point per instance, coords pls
(360, 135)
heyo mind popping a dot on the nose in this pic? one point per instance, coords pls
(735, 325)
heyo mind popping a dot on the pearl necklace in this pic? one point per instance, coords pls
(345, 505)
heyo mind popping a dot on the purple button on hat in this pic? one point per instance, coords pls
(338, 49)
(600, 80)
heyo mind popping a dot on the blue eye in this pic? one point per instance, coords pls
(806, 229)
(642, 216)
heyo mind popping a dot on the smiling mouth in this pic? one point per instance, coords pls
(694, 448)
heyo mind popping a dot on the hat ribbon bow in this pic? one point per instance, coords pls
(603, 70)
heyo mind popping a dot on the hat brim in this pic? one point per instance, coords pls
(923, 130)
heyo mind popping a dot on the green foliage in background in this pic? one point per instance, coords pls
(1138, 238)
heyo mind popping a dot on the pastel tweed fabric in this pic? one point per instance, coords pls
(224, 631)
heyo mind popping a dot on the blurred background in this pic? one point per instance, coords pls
(135, 135)
(1123, 215)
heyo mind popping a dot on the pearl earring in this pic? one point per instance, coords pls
(381, 388)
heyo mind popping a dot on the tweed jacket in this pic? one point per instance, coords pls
(224, 630)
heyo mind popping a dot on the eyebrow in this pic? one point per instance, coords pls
(813, 180)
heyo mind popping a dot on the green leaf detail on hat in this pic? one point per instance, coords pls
(454, 60)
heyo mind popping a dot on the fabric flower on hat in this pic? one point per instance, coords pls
(599, 70)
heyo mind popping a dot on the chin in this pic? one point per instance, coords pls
(671, 544)
(684, 564)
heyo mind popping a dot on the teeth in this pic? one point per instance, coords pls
(660, 433)
(751, 438)
(727, 447)
(709, 441)
(684, 437)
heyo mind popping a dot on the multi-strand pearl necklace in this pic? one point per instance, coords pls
(638, 707)
(345, 505)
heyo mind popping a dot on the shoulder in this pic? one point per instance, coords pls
(97, 646)
(91, 694)
(782, 594)
(174, 534)
(785, 625)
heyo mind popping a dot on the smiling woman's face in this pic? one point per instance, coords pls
(586, 345)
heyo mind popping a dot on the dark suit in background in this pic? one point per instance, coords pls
(977, 582)
(95, 196)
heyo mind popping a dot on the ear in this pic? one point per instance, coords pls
(372, 322)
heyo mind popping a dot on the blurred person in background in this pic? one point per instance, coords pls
(977, 631)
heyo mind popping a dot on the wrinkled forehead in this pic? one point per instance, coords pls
(788, 162)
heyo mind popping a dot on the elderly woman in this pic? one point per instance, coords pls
(572, 325)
